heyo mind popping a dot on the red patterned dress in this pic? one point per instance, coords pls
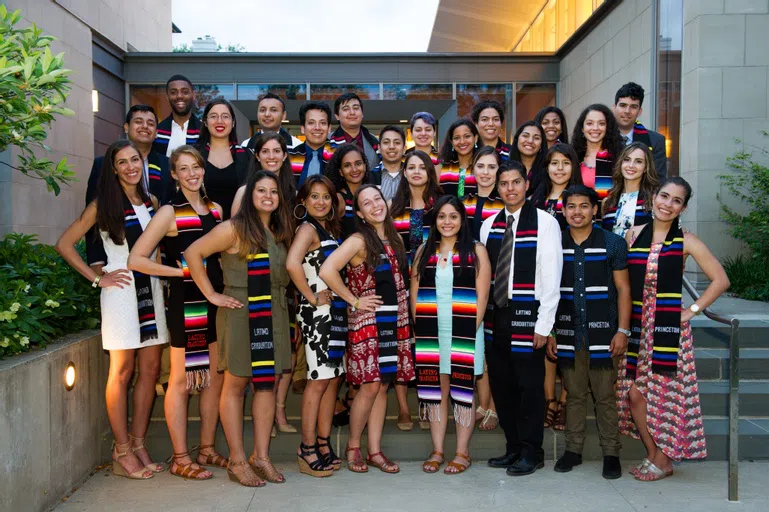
(673, 411)
(363, 348)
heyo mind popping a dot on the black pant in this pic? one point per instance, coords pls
(517, 383)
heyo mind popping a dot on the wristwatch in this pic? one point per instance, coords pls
(624, 331)
(95, 282)
(696, 309)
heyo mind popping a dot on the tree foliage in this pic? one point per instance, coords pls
(33, 87)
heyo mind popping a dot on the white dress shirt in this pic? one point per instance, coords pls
(178, 136)
(547, 284)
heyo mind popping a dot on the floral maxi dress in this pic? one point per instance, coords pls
(673, 411)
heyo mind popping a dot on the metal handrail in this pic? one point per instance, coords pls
(734, 389)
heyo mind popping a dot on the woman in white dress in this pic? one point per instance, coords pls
(121, 211)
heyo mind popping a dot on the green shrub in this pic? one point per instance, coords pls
(750, 184)
(41, 297)
(749, 277)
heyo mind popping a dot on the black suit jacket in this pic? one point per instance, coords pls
(660, 155)
(162, 186)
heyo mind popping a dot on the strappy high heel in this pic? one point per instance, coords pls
(119, 470)
(317, 468)
(186, 471)
(263, 467)
(329, 459)
(155, 467)
(246, 475)
(357, 464)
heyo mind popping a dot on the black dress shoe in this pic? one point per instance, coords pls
(505, 461)
(523, 467)
(567, 462)
(612, 469)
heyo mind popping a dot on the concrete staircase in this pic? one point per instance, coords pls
(711, 348)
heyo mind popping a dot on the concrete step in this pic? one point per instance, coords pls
(754, 398)
(752, 334)
(713, 363)
(416, 445)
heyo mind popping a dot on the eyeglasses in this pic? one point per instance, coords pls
(216, 117)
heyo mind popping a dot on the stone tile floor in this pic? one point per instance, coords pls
(700, 486)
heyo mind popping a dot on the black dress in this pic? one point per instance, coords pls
(221, 185)
(175, 247)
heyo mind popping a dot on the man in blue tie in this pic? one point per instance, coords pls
(311, 156)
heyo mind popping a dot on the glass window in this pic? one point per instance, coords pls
(669, 44)
(155, 96)
(417, 92)
(470, 94)
(555, 24)
(332, 91)
(530, 99)
(285, 91)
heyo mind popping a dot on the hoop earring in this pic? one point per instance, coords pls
(297, 217)
(332, 214)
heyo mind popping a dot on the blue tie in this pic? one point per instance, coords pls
(314, 167)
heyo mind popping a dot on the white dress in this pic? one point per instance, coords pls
(119, 309)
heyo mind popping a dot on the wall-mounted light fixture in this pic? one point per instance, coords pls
(95, 100)
(70, 376)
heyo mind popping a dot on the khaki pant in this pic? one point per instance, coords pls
(579, 381)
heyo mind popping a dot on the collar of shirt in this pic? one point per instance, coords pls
(629, 135)
(183, 127)
(309, 151)
(516, 214)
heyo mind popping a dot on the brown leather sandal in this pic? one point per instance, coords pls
(560, 419)
(245, 474)
(263, 467)
(456, 466)
(432, 466)
(386, 466)
(357, 464)
(186, 471)
(551, 415)
(211, 459)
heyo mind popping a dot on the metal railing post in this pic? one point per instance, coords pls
(734, 411)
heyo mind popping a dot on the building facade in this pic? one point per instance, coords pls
(703, 64)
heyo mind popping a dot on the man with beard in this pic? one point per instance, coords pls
(140, 128)
(181, 127)
(271, 112)
(348, 110)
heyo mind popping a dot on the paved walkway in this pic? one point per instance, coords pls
(695, 487)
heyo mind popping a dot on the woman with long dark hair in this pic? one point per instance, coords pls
(191, 320)
(597, 141)
(529, 148)
(133, 320)
(227, 164)
(271, 155)
(449, 290)
(424, 128)
(455, 175)
(321, 319)
(348, 170)
(633, 184)
(412, 206)
(252, 328)
(659, 375)
(562, 169)
(553, 122)
(379, 342)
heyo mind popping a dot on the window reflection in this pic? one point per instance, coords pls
(331, 91)
(669, 45)
(285, 91)
(530, 99)
(155, 96)
(417, 92)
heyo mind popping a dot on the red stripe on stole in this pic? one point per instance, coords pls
(524, 337)
(463, 309)
(263, 379)
(429, 357)
(427, 309)
(189, 222)
(518, 286)
(526, 233)
(259, 314)
(258, 272)
(664, 363)
(462, 358)
(198, 321)
(148, 316)
(668, 309)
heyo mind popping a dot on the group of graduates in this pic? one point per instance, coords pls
(480, 266)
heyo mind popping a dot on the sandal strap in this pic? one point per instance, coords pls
(319, 463)
(180, 455)
(439, 454)
(141, 442)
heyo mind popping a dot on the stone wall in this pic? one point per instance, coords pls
(724, 97)
(615, 52)
(51, 438)
(141, 24)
